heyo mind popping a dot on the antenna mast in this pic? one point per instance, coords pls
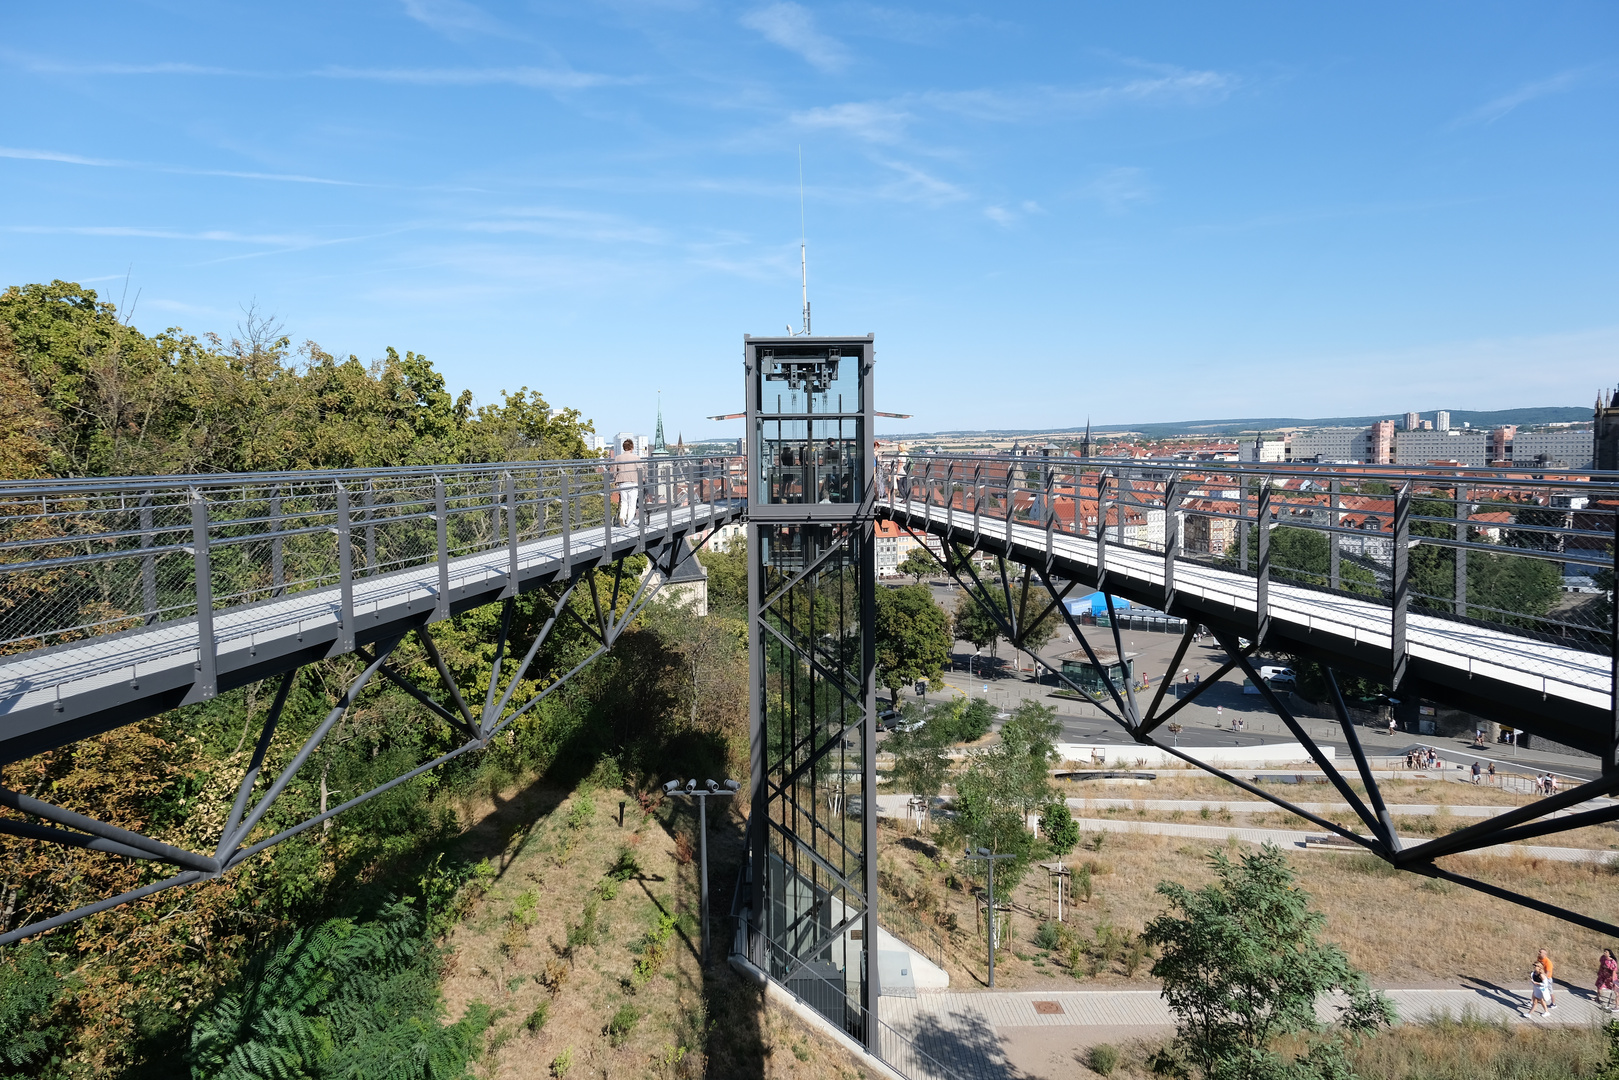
(803, 242)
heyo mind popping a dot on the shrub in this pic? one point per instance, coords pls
(1049, 936)
(652, 948)
(536, 1019)
(1082, 882)
(1103, 1058)
(583, 813)
(623, 1022)
(562, 1063)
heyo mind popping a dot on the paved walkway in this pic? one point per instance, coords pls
(1001, 1035)
(1295, 838)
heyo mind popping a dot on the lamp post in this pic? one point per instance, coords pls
(989, 857)
(691, 791)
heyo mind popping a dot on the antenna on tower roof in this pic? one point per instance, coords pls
(803, 242)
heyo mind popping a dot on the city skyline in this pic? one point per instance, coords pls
(1166, 210)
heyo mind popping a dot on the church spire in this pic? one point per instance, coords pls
(1085, 447)
(658, 445)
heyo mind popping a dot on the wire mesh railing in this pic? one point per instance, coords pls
(81, 559)
(1530, 554)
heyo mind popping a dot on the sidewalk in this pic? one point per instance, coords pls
(992, 1034)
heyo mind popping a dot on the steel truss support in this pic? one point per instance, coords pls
(1522, 823)
(70, 829)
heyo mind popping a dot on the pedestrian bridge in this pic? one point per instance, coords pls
(123, 598)
(1390, 595)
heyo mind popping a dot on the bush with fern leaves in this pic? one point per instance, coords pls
(344, 999)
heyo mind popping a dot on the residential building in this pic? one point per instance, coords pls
(1411, 421)
(1441, 420)
(1380, 444)
(1328, 445)
(888, 556)
(1553, 449)
(1501, 443)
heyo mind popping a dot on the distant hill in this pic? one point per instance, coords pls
(1170, 429)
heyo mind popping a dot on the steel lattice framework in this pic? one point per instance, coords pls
(1122, 528)
(120, 599)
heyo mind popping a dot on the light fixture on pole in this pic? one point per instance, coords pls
(988, 857)
(729, 787)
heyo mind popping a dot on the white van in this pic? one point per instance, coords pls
(1276, 671)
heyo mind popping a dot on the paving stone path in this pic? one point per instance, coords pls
(978, 1035)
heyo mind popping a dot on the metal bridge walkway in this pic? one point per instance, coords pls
(53, 695)
(1491, 672)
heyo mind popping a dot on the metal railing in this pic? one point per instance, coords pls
(1503, 548)
(82, 559)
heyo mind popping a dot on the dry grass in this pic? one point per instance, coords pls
(1402, 929)
(1464, 1049)
(593, 976)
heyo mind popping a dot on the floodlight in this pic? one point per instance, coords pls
(711, 785)
(669, 788)
(691, 785)
(984, 851)
(732, 785)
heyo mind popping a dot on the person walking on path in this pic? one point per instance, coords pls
(1607, 975)
(627, 477)
(1545, 962)
(1476, 772)
(1538, 981)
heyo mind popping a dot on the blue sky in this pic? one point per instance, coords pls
(1126, 211)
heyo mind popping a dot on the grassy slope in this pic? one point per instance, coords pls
(689, 1022)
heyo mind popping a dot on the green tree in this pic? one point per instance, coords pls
(984, 626)
(344, 999)
(1002, 786)
(30, 1033)
(918, 564)
(920, 763)
(1060, 829)
(1242, 967)
(913, 637)
(727, 579)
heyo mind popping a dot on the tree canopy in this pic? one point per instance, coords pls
(913, 637)
(1242, 967)
(83, 393)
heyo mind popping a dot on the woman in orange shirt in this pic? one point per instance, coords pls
(1545, 961)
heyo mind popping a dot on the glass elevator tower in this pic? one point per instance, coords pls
(812, 919)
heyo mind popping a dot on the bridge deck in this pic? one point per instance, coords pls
(54, 695)
(1523, 675)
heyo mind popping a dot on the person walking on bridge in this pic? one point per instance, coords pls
(1538, 983)
(627, 478)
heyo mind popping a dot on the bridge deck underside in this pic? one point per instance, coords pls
(49, 697)
(1544, 688)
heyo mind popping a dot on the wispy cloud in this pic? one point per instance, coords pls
(1006, 216)
(533, 77)
(792, 27)
(1491, 111)
(570, 225)
(871, 121)
(1031, 103)
(1119, 189)
(25, 154)
(53, 67)
(913, 185)
(217, 236)
(452, 18)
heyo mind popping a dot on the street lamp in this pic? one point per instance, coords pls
(985, 855)
(691, 791)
